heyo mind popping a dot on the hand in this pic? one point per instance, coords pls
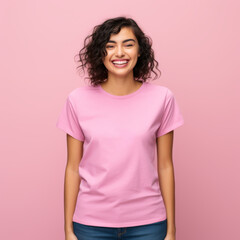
(170, 236)
(70, 236)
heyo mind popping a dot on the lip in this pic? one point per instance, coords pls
(120, 66)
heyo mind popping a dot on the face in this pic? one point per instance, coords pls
(124, 48)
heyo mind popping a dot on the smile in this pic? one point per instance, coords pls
(120, 64)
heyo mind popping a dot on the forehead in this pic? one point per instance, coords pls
(124, 33)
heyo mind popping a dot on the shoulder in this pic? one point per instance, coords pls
(81, 93)
(159, 90)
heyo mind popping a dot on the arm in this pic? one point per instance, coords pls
(72, 180)
(166, 178)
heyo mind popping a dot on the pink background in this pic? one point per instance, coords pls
(197, 46)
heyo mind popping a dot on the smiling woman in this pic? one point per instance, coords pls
(118, 39)
(113, 126)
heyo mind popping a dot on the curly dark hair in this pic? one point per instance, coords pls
(94, 50)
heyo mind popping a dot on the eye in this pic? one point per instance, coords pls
(109, 46)
(129, 45)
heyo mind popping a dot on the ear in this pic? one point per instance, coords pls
(139, 52)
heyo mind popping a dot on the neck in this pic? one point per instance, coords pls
(119, 85)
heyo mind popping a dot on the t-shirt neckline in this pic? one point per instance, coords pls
(123, 96)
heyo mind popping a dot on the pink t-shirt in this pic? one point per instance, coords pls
(119, 178)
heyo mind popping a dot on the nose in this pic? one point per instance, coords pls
(119, 52)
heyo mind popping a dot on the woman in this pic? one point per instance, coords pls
(114, 188)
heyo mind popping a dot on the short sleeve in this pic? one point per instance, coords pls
(172, 117)
(68, 121)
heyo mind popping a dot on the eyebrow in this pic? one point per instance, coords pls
(130, 39)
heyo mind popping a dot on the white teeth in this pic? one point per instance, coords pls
(119, 62)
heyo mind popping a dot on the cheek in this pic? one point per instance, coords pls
(134, 53)
(105, 59)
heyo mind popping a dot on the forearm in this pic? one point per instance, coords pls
(71, 188)
(167, 185)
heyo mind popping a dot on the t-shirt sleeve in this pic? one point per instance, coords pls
(68, 121)
(171, 117)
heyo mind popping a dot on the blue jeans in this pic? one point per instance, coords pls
(153, 231)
